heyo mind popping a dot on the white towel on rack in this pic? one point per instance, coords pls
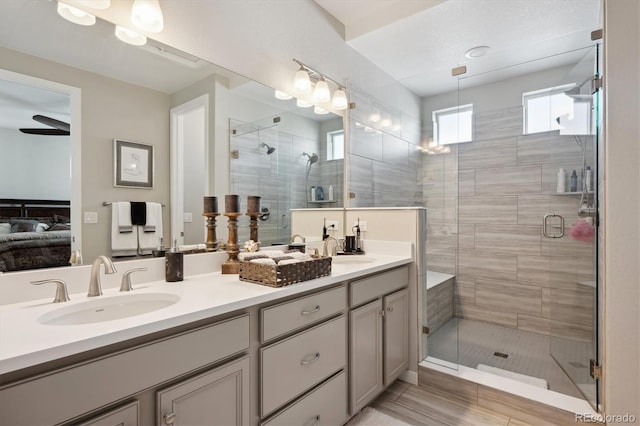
(147, 240)
(154, 216)
(122, 244)
(122, 210)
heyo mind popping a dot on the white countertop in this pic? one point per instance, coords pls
(24, 342)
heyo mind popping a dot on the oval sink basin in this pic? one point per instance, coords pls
(351, 260)
(108, 308)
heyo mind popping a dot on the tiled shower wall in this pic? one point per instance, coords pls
(385, 167)
(485, 202)
(280, 178)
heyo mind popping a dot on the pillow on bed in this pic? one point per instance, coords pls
(59, 227)
(5, 228)
(24, 225)
(60, 219)
(41, 227)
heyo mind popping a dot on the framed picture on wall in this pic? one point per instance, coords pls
(132, 164)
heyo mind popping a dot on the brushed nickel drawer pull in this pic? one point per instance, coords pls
(169, 418)
(313, 311)
(309, 361)
(317, 418)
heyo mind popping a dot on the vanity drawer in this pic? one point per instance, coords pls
(285, 317)
(298, 363)
(113, 377)
(378, 285)
(326, 405)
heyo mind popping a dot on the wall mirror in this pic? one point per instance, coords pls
(132, 93)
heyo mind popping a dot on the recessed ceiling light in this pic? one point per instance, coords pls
(476, 52)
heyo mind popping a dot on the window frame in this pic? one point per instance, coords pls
(535, 94)
(450, 111)
(330, 144)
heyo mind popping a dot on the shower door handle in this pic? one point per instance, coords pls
(545, 226)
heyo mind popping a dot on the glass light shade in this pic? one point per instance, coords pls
(130, 37)
(319, 110)
(396, 127)
(339, 101)
(75, 15)
(321, 93)
(374, 117)
(303, 104)
(146, 15)
(386, 121)
(301, 82)
(282, 95)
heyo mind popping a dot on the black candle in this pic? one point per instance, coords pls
(231, 204)
(253, 204)
(210, 204)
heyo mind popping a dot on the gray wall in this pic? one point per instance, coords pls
(110, 109)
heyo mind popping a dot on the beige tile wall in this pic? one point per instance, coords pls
(486, 201)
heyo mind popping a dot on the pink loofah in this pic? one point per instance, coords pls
(582, 231)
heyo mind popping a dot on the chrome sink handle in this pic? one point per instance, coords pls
(62, 295)
(126, 278)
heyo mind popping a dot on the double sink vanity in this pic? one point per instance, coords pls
(208, 350)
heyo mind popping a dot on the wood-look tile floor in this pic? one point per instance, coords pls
(422, 407)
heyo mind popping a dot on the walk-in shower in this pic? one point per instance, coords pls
(513, 290)
(270, 149)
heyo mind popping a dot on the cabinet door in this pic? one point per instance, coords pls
(396, 335)
(217, 397)
(365, 324)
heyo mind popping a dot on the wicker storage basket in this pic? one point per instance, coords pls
(281, 275)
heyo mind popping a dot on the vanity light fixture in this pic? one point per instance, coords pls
(339, 100)
(306, 78)
(303, 104)
(282, 95)
(147, 15)
(319, 110)
(75, 15)
(130, 37)
(301, 81)
(386, 120)
(321, 92)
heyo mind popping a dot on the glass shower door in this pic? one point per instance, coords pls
(570, 227)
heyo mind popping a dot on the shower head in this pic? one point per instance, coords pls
(270, 149)
(312, 158)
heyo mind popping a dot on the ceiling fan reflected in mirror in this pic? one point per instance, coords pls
(58, 128)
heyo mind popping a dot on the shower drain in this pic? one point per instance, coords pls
(501, 355)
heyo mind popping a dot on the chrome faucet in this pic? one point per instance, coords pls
(326, 246)
(95, 289)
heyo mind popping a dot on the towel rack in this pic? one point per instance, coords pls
(108, 203)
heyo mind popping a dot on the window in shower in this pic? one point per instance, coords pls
(557, 108)
(453, 125)
(335, 145)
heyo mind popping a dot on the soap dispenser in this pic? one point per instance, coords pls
(174, 264)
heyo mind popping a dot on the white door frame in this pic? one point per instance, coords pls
(177, 162)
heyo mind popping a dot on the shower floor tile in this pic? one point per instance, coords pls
(470, 343)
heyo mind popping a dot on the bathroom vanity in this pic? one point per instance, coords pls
(226, 352)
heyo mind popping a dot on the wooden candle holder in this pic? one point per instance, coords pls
(232, 265)
(212, 242)
(253, 226)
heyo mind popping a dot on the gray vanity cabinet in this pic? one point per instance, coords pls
(379, 334)
(126, 415)
(216, 397)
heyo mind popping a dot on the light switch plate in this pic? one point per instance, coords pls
(90, 217)
(188, 217)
